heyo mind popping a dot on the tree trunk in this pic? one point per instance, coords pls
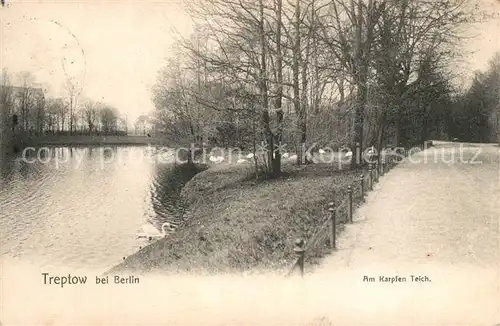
(296, 85)
(380, 137)
(425, 125)
(71, 115)
(263, 92)
(304, 106)
(362, 62)
(279, 110)
(397, 127)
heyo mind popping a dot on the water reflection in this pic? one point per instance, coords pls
(83, 206)
(165, 193)
(7, 164)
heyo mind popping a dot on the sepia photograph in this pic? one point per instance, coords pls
(250, 162)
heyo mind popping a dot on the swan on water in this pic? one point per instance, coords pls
(348, 154)
(150, 232)
(284, 155)
(241, 160)
(250, 155)
(321, 151)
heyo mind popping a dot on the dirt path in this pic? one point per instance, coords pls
(438, 219)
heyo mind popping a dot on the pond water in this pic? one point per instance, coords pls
(82, 207)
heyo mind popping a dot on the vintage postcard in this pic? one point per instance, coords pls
(250, 162)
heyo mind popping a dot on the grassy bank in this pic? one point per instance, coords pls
(236, 223)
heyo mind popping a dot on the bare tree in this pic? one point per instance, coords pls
(72, 90)
(27, 99)
(108, 119)
(6, 108)
(90, 114)
(52, 116)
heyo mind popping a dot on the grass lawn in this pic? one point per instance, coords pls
(237, 224)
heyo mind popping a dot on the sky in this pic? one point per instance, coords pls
(114, 49)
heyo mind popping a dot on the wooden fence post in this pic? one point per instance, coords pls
(333, 226)
(370, 174)
(349, 203)
(362, 184)
(300, 252)
(357, 157)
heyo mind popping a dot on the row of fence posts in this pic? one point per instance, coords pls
(374, 172)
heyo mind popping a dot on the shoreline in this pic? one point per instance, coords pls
(234, 223)
(93, 140)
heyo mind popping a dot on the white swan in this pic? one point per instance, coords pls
(348, 154)
(250, 155)
(284, 155)
(321, 151)
(293, 157)
(241, 160)
(150, 232)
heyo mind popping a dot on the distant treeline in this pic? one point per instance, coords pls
(26, 109)
(80, 132)
(475, 113)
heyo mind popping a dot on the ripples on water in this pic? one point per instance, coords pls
(82, 207)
